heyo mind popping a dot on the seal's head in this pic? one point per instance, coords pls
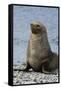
(37, 27)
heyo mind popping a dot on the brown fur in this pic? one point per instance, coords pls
(39, 55)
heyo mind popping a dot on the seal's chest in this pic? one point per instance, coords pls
(35, 47)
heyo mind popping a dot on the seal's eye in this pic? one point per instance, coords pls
(38, 26)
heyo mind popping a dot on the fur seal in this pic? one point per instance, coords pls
(39, 55)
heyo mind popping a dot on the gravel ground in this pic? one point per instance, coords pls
(32, 77)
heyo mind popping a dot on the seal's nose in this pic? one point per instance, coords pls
(31, 24)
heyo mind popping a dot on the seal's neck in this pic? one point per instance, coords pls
(36, 36)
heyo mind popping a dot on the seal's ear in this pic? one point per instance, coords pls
(43, 29)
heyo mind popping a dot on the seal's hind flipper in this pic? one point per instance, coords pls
(47, 72)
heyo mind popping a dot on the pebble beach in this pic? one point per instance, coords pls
(31, 77)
